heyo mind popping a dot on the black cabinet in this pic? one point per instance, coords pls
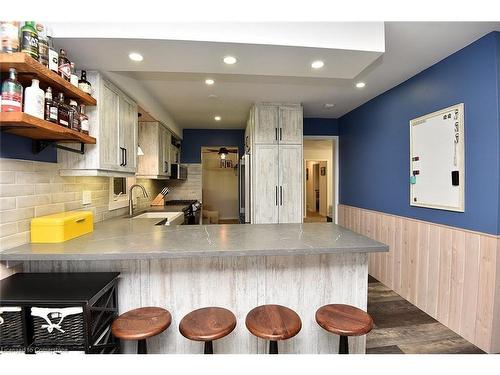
(59, 312)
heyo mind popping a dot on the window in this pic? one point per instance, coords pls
(118, 192)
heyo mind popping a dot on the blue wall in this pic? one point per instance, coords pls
(321, 126)
(15, 147)
(374, 139)
(194, 139)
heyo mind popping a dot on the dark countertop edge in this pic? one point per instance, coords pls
(185, 254)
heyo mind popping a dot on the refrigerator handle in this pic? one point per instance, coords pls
(276, 200)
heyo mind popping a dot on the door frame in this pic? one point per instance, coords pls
(335, 165)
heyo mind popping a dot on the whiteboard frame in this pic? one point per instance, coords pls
(461, 150)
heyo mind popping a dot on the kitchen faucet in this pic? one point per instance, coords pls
(130, 198)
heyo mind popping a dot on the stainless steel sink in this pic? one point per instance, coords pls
(173, 218)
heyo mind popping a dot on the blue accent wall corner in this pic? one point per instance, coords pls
(194, 139)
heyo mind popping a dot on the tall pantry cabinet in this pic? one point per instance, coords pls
(275, 133)
(114, 123)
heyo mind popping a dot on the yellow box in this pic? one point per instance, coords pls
(61, 227)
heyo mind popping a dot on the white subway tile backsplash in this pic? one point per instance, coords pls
(31, 189)
(7, 177)
(7, 203)
(32, 200)
(14, 190)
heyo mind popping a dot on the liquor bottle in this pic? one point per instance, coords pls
(50, 107)
(12, 93)
(9, 34)
(29, 39)
(62, 111)
(74, 116)
(73, 77)
(43, 45)
(34, 99)
(53, 55)
(64, 65)
(85, 85)
(84, 120)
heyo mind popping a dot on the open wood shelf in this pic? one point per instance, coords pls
(25, 125)
(29, 68)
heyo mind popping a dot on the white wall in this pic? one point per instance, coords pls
(313, 152)
(220, 185)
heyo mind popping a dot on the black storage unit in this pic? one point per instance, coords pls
(59, 312)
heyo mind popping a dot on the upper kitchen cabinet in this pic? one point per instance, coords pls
(156, 142)
(114, 123)
(277, 123)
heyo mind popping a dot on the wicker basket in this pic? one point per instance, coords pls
(11, 327)
(66, 332)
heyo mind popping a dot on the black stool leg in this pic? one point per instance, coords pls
(343, 345)
(209, 348)
(273, 347)
(142, 347)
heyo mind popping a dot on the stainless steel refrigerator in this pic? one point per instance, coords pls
(244, 189)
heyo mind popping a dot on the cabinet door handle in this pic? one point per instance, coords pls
(281, 134)
(166, 167)
(281, 195)
(122, 157)
(276, 200)
(125, 153)
(275, 134)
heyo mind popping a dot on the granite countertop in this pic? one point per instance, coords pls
(128, 238)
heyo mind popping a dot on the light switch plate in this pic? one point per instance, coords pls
(86, 197)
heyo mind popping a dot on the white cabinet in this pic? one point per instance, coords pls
(275, 132)
(277, 123)
(277, 184)
(113, 122)
(265, 185)
(155, 142)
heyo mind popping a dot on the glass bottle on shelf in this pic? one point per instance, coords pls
(29, 39)
(12, 93)
(34, 99)
(64, 65)
(43, 45)
(74, 116)
(62, 111)
(84, 120)
(9, 35)
(53, 55)
(74, 77)
(50, 107)
(83, 84)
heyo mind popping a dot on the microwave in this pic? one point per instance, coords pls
(178, 172)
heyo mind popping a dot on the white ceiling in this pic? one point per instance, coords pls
(272, 73)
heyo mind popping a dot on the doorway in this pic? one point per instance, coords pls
(320, 179)
(220, 185)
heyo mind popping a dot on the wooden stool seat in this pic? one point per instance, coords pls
(344, 320)
(207, 324)
(142, 323)
(273, 322)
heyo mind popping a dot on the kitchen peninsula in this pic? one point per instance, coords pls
(239, 267)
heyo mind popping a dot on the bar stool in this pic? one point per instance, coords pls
(273, 323)
(344, 320)
(207, 324)
(141, 324)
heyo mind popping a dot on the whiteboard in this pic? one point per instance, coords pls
(437, 160)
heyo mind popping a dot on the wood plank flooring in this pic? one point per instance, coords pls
(402, 328)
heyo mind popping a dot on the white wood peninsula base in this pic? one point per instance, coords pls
(316, 264)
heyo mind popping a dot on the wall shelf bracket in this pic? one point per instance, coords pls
(39, 146)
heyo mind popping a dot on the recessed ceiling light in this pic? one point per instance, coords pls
(209, 81)
(134, 56)
(217, 118)
(328, 105)
(318, 64)
(360, 85)
(230, 60)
